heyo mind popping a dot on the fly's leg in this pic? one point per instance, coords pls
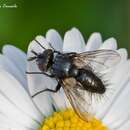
(49, 75)
(40, 44)
(49, 90)
(50, 46)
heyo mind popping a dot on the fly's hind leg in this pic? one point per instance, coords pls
(49, 90)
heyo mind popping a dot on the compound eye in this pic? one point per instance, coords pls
(44, 60)
(42, 65)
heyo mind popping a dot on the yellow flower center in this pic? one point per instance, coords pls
(68, 120)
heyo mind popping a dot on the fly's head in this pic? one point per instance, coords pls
(44, 60)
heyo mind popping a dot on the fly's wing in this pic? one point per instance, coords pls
(99, 59)
(79, 98)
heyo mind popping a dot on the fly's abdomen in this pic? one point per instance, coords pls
(91, 82)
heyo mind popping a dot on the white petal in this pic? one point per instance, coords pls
(125, 126)
(110, 43)
(120, 109)
(94, 42)
(14, 96)
(8, 124)
(54, 38)
(16, 56)
(9, 66)
(117, 79)
(38, 82)
(15, 114)
(73, 41)
(123, 53)
(60, 100)
(4, 128)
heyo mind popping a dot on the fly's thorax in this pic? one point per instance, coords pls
(91, 82)
(61, 66)
(45, 60)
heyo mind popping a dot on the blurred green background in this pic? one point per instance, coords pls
(19, 26)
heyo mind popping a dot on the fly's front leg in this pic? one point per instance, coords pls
(49, 90)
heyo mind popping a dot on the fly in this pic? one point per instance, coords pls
(76, 74)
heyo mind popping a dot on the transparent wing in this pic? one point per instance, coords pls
(79, 98)
(99, 59)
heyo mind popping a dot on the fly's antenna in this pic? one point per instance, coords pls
(39, 44)
(35, 53)
(34, 57)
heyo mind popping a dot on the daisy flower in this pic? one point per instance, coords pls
(52, 111)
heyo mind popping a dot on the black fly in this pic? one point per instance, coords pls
(75, 72)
